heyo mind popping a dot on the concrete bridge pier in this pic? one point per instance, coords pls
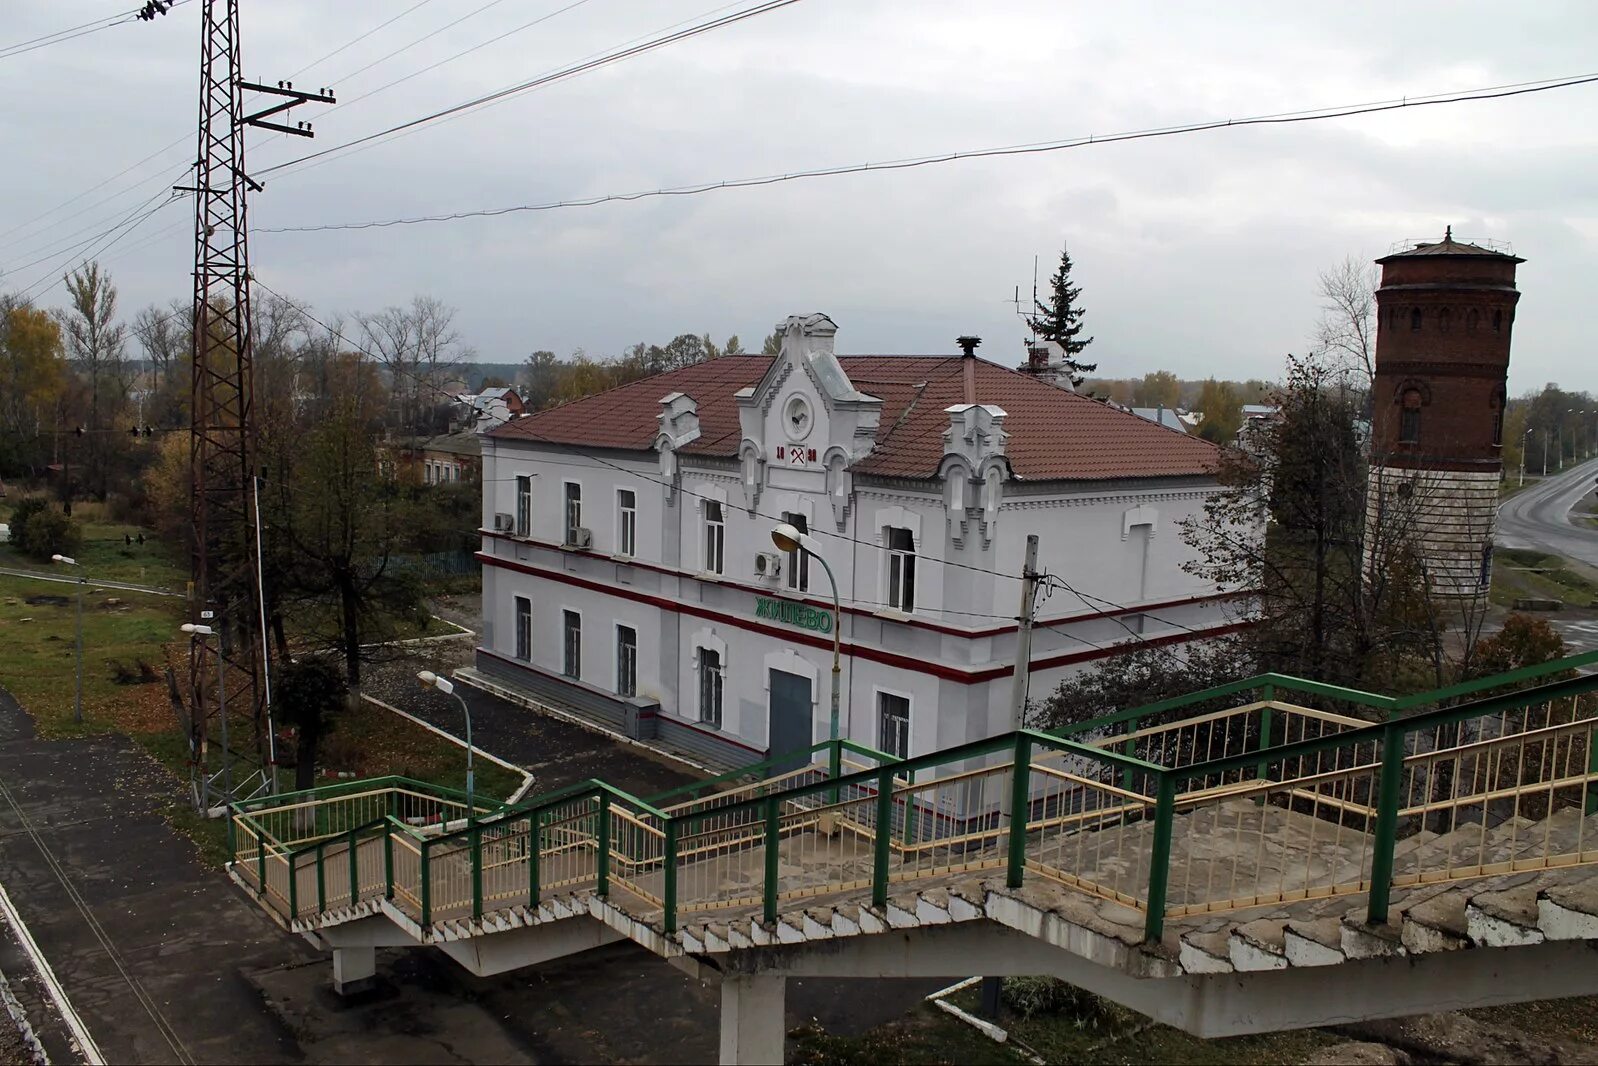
(354, 969)
(753, 1022)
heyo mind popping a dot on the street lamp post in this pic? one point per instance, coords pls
(788, 538)
(444, 685)
(77, 698)
(1524, 437)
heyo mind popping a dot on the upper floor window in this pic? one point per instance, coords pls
(901, 569)
(1414, 318)
(571, 630)
(798, 565)
(711, 685)
(893, 725)
(626, 661)
(1498, 321)
(524, 505)
(524, 628)
(1498, 419)
(1409, 418)
(715, 537)
(626, 522)
(574, 511)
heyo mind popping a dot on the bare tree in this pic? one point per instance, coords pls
(420, 348)
(95, 342)
(1346, 332)
(165, 336)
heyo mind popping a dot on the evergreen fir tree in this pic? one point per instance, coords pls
(1060, 320)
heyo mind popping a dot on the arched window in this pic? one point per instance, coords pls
(1472, 320)
(1498, 321)
(1442, 320)
(1414, 318)
(1498, 418)
(1409, 417)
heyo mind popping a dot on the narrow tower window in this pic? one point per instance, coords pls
(1409, 418)
(1414, 318)
(1498, 321)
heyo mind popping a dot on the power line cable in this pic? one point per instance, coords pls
(115, 234)
(535, 83)
(74, 32)
(358, 39)
(1315, 115)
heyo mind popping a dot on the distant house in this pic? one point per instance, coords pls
(1169, 417)
(483, 411)
(448, 458)
(1253, 412)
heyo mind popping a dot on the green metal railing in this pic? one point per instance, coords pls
(1350, 801)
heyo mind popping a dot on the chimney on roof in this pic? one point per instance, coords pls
(968, 361)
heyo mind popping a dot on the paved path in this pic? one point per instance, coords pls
(1539, 517)
(209, 978)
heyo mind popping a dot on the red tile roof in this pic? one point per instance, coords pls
(1053, 433)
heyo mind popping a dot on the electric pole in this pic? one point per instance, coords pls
(225, 573)
(992, 987)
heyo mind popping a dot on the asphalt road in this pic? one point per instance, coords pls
(1539, 517)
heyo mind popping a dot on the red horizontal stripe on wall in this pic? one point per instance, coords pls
(964, 676)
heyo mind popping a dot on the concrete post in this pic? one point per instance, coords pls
(354, 969)
(753, 1021)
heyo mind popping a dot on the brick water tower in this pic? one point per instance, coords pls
(1445, 312)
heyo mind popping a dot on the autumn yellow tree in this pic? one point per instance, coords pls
(33, 378)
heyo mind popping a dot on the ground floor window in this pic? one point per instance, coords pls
(893, 725)
(572, 644)
(524, 628)
(711, 684)
(626, 661)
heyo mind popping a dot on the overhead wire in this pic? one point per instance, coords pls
(572, 70)
(71, 33)
(1033, 148)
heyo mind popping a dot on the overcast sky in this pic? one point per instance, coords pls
(1197, 254)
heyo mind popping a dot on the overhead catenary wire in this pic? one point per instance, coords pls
(570, 71)
(1033, 148)
(72, 33)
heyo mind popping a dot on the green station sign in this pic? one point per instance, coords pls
(795, 614)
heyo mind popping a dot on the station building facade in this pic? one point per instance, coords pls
(629, 574)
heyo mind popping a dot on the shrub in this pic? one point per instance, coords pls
(48, 532)
(1029, 996)
(25, 509)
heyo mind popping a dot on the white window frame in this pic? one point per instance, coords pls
(524, 652)
(877, 692)
(797, 563)
(713, 538)
(718, 686)
(631, 689)
(568, 535)
(626, 523)
(899, 563)
(524, 505)
(571, 657)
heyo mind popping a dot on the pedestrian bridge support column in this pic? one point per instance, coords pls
(753, 1019)
(354, 969)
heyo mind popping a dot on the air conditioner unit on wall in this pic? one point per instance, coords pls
(504, 523)
(582, 537)
(768, 564)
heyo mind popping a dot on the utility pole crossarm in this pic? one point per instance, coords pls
(297, 97)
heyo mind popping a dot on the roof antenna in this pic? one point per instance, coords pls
(1448, 234)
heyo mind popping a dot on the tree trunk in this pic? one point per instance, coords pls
(349, 605)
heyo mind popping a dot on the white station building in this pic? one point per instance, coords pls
(629, 573)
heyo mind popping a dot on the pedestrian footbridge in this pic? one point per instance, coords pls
(1269, 854)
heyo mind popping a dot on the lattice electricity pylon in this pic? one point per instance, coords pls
(225, 555)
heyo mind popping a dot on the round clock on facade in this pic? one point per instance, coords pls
(796, 417)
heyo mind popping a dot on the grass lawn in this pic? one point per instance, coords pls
(1525, 574)
(123, 629)
(1510, 485)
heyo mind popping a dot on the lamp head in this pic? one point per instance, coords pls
(196, 630)
(429, 679)
(64, 559)
(786, 537)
